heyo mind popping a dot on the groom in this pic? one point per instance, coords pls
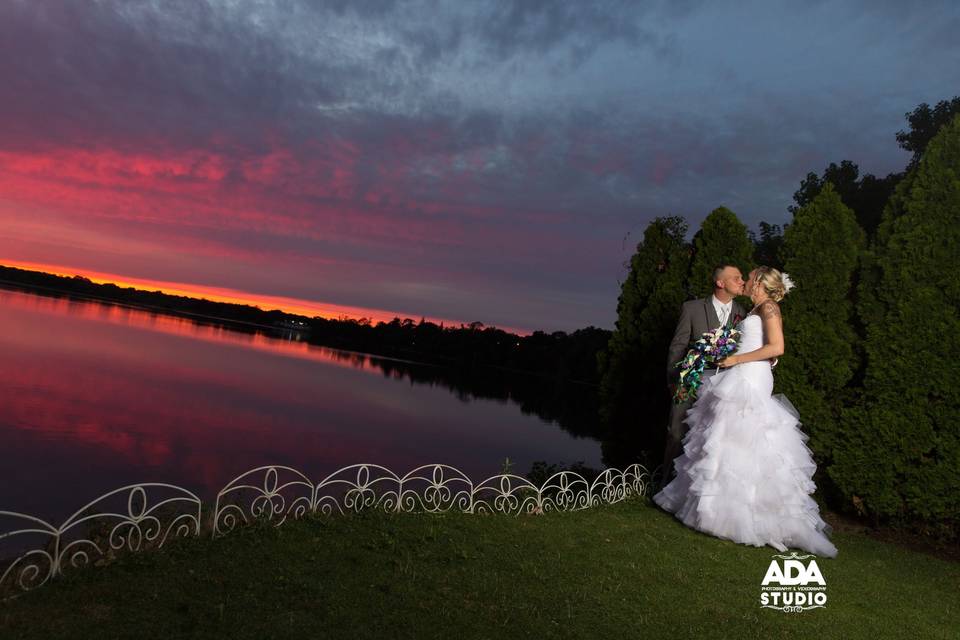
(719, 309)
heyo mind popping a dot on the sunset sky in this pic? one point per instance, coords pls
(465, 161)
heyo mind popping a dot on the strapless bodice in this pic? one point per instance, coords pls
(751, 333)
(758, 372)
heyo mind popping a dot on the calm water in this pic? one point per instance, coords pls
(96, 396)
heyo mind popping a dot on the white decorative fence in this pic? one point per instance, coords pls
(142, 516)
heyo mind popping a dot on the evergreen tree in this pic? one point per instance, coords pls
(632, 388)
(722, 238)
(821, 250)
(900, 453)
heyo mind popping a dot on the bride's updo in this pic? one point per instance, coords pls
(775, 283)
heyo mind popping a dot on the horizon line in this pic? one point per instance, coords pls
(264, 302)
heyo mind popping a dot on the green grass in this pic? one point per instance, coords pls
(620, 571)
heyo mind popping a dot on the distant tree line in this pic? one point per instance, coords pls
(871, 329)
(558, 355)
(551, 375)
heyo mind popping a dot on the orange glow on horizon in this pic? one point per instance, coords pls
(296, 306)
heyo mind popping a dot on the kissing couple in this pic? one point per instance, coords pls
(743, 470)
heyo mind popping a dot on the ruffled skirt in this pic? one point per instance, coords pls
(746, 473)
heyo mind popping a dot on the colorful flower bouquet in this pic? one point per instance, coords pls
(712, 347)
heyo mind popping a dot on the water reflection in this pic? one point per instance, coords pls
(99, 395)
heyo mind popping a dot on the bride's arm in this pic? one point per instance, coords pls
(772, 330)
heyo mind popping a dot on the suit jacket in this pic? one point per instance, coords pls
(696, 318)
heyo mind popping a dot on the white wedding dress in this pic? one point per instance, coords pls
(745, 473)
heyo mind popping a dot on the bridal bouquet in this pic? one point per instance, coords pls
(711, 347)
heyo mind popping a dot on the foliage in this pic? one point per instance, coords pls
(768, 246)
(631, 386)
(722, 238)
(541, 471)
(901, 452)
(924, 125)
(866, 196)
(821, 250)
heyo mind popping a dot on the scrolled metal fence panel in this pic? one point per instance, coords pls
(435, 488)
(358, 487)
(271, 492)
(147, 515)
(130, 518)
(506, 493)
(36, 561)
(614, 485)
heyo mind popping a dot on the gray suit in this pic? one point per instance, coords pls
(696, 317)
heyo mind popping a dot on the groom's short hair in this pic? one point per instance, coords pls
(718, 270)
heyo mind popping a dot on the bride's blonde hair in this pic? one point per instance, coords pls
(772, 282)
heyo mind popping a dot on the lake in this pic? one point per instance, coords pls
(96, 396)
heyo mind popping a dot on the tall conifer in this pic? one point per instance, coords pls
(722, 238)
(821, 250)
(633, 390)
(900, 453)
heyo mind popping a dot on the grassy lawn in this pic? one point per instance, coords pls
(620, 571)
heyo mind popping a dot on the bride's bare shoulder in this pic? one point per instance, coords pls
(768, 309)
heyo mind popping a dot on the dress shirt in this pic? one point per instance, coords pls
(723, 310)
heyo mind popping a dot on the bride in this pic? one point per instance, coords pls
(745, 473)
